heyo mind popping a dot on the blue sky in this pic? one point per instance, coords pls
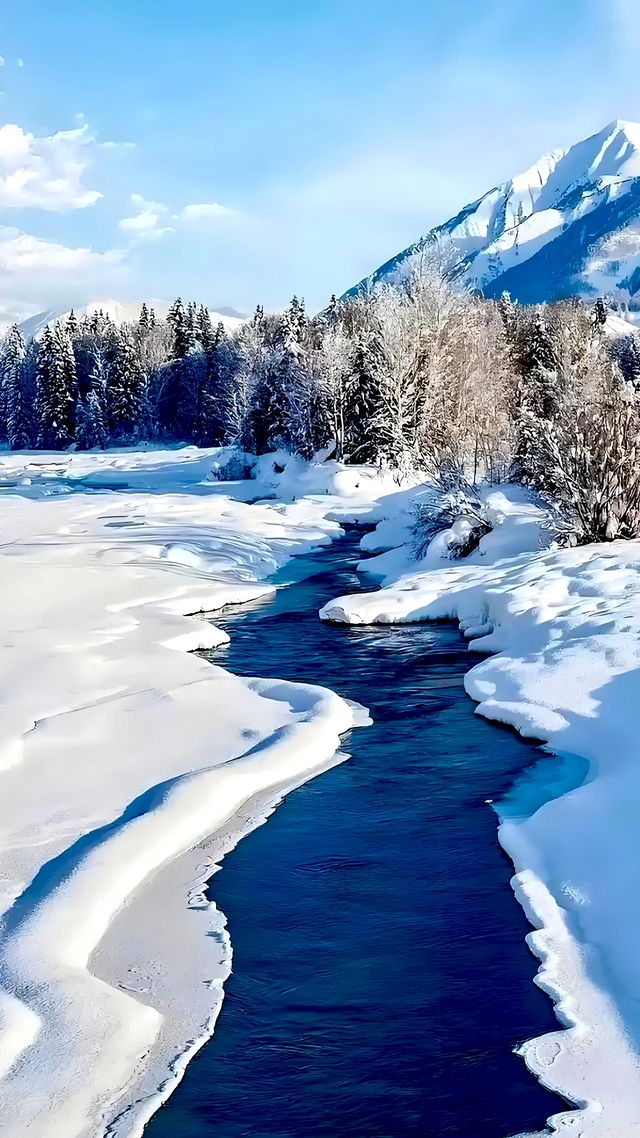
(238, 151)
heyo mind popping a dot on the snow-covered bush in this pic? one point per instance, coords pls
(592, 460)
(456, 509)
(232, 465)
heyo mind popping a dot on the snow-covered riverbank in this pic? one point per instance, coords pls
(118, 749)
(563, 632)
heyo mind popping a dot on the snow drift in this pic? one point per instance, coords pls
(119, 750)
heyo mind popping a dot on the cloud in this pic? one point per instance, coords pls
(2, 61)
(204, 211)
(36, 273)
(22, 253)
(144, 225)
(20, 61)
(45, 173)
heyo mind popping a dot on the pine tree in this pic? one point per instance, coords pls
(203, 328)
(72, 325)
(92, 430)
(18, 405)
(55, 390)
(509, 313)
(126, 389)
(537, 396)
(210, 426)
(183, 330)
(144, 319)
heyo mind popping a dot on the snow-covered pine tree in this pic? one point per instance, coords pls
(537, 396)
(509, 313)
(211, 427)
(144, 319)
(72, 325)
(16, 396)
(91, 429)
(126, 389)
(266, 424)
(182, 327)
(56, 390)
(203, 328)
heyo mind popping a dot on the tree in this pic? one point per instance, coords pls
(144, 320)
(126, 389)
(17, 401)
(92, 429)
(56, 390)
(182, 326)
(537, 394)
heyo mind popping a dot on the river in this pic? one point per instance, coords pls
(380, 974)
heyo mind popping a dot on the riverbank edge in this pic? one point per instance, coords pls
(150, 1088)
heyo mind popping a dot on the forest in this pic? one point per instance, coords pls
(422, 377)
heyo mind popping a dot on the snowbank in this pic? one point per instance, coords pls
(563, 631)
(118, 750)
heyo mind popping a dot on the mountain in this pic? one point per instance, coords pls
(121, 312)
(569, 225)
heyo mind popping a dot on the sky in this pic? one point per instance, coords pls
(239, 151)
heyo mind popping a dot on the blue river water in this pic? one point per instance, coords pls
(380, 974)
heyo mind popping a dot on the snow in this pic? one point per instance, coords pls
(119, 751)
(561, 633)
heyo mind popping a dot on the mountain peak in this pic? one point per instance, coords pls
(568, 225)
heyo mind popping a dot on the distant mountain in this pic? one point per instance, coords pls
(569, 225)
(121, 312)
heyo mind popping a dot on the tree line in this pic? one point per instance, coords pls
(420, 377)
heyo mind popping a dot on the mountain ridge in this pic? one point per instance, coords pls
(121, 312)
(569, 224)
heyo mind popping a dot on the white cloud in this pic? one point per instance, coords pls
(20, 61)
(36, 274)
(45, 173)
(2, 61)
(203, 211)
(143, 225)
(22, 253)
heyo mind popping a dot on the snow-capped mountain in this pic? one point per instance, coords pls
(570, 224)
(121, 312)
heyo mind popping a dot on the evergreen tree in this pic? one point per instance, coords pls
(72, 325)
(537, 395)
(126, 389)
(144, 320)
(92, 417)
(55, 395)
(203, 328)
(509, 313)
(181, 325)
(17, 400)
(211, 418)
(362, 404)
